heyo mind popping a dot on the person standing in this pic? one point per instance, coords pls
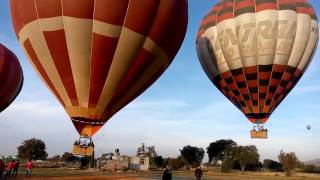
(198, 173)
(2, 167)
(29, 167)
(9, 169)
(167, 174)
(16, 166)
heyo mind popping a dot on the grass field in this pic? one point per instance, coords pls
(92, 174)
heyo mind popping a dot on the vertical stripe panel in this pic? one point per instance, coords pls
(34, 59)
(312, 44)
(246, 32)
(129, 46)
(212, 34)
(114, 15)
(56, 43)
(78, 9)
(130, 43)
(22, 12)
(170, 14)
(301, 40)
(229, 43)
(106, 31)
(45, 12)
(150, 74)
(78, 34)
(143, 61)
(103, 49)
(33, 33)
(287, 27)
(207, 57)
(267, 31)
(142, 8)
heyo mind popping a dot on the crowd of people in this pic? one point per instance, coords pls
(12, 167)
(84, 143)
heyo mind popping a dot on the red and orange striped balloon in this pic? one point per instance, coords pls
(11, 77)
(98, 55)
(255, 51)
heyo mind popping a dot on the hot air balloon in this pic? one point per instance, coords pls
(96, 56)
(255, 51)
(308, 127)
(11, 77)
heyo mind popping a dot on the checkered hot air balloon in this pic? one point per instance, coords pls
(255, 51)
(11, 77)
(96, 56)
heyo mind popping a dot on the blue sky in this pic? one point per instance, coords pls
(181, 108)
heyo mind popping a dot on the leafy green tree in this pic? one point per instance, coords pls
(158, 161)
(32, 149)
(192, 155)
(245, 155)
(216, 150)
(289, 161)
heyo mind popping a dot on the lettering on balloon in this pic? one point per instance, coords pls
(268, 33)
(287, 33)
(227, 39)
(267, 29)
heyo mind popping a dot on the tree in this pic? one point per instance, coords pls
(309, 168)
(158, 161)
(245, 155)
(216, 150)
(67, 157)
(226, 165)
(289, 161)
(192, 155)
(32, 149)
(55, 158)
(176, 163)
(149, 151)
(271, 165)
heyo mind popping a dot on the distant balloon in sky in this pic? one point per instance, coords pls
(255, 51)
(308, 127)
(11, 77)
(96, 56)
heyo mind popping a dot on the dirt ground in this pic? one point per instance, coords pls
(89, 178)
(93, 174)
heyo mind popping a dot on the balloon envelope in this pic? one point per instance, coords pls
(11, 77)
(98, 55)
(308, 127)
(255, 51)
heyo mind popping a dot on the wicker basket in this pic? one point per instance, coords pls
(84, 151)
(260, 134)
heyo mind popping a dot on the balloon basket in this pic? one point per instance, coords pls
(83, 147)
(259, 133)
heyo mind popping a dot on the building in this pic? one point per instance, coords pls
(115, 162)
(140, 163)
